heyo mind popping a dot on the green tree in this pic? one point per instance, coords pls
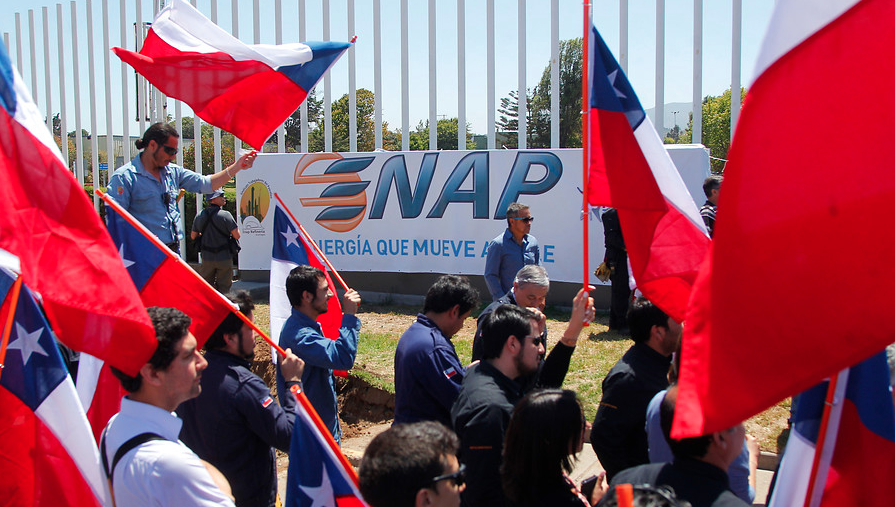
(446, 135)
(715, 127)
(366, 138)
(227, 158)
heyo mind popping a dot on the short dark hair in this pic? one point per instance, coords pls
(712, 182)
(642, 316)
(545, 429)
(645, 495)
(693, 447)
(450, 290)
(403, 460)
(171, 325)
(300, 280)
(499, 325)
(231, 324)
(158, 132)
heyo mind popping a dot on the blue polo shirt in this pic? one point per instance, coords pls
(505, 259)
(143, 196)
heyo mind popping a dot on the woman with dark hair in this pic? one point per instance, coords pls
(544, 437)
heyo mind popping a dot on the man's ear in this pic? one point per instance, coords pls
(424, 497)
(454, 312)
(150, 375)
(307, 297)
(230, 338)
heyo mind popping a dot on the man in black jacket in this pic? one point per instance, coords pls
(235, 423)
(513, 347)
(618, 434)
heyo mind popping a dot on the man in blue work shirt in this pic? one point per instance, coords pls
(510, 251)
(428, 372)
(234, 424)
(147, 186)
(308, 293)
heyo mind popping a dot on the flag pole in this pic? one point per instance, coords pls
(303, 400)
(821, 439)
(313, 243)
(585, 131)
(7, 328)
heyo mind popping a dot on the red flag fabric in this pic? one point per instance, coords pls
(246, 90)
(797, 284)
(631, 171)
(66, 254)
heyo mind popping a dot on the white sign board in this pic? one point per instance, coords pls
(428, 212)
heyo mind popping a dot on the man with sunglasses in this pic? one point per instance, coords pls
(147, 186)
(412, 465)
(510, 251)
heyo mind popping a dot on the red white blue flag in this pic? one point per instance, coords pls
(630, 170)
(857, 462)
(66, 254)
(316, 475)
(163, 279)
(767, 318)
(248, 90)
(291, 248)
(48, 456)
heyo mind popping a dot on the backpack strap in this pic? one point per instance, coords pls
(126, 447)
(210, 221)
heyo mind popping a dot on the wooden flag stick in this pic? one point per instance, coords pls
(313, 243)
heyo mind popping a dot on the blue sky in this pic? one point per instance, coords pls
(641, 70)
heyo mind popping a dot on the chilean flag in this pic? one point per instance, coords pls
(248, 90)
(858, 460)
(291, 249)
(66, 254)
(764, 292)
(631, 171)
(316, 475)
(48, 456)
(163, 279)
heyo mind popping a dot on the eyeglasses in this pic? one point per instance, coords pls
(538, 340)
(170, 150)
(458, 477)
(527, 220)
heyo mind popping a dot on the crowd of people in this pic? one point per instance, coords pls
(201, 429)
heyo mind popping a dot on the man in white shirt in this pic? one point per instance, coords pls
(140, 447)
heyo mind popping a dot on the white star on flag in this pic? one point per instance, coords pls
(291, 238)
(322, 495)
(127, 262)
(612, 77)
(26, 343)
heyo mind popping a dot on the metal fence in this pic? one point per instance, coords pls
(50, 45)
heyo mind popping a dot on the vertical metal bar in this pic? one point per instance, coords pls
(461, 74)
(377, 71)
(433, 81)
(696, 132)
(489, 72)
(659, 120)
(278, 21)
(302, 36)
(125, 121)
(33, 56)
(405, 80)
(523, 91)
(352, 83)
(141, 81)
(256, 29)
(554, 73)
(45, 14)
(736, 64)
(623, 34)
(94, 147)
(19, 44)
(6, 43)
(234, 20)
(327, 89)
(216, 131)
(107, 71)
(60, 54)
(76, 78)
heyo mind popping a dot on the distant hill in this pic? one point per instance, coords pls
(683, 115)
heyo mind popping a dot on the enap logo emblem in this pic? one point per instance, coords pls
(253, 206)
(345, 199)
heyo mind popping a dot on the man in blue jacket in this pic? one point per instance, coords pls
(308, 293)
(234, 424)
(428, 372)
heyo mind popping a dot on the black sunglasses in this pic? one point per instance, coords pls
(169, 150)
(458, 477)
(538, 340)
(527, 220)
